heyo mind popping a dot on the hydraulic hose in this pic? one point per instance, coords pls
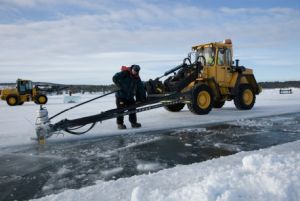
(82, 104)
(71, 130)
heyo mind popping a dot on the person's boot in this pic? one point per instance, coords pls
(136, 125)
(121, 126)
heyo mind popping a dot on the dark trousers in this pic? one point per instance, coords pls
(122, 103)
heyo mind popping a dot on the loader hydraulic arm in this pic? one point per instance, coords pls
(178, 67)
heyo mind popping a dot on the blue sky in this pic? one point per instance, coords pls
(86, 42)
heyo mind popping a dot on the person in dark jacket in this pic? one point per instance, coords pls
(130, 85)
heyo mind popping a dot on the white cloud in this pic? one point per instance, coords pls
(145, 33)
(260, 11)
(20, 2)
(31, 3)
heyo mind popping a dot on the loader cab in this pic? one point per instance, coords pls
(218, 61)
(24, 86)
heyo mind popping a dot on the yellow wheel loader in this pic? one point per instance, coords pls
(23, 92)
(209, 81)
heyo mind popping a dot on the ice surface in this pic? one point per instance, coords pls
(190, 130)
(17, 123)
(252, 123)
(272, 174)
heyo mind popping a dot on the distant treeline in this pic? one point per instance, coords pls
(64, 88)
(272, 85)
(89, 88)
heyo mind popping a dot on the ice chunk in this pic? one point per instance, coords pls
(111, 172)
(72, 99)
(252, 123)
(149, 166)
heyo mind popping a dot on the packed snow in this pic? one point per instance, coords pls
(271, 174)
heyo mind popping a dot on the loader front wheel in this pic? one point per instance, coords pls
(41, 99)
(175, 107)
(245, 98)
(12, 100)
(201, 100)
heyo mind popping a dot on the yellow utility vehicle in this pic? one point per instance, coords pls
(23, 92)
(209, 81)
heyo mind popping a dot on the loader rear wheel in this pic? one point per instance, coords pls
(12, 100)
(175, 107)
(21, 103)
(201, 100)
(218, 104)
(245, 98)
(41, 99)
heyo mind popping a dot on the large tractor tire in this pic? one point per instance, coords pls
(41, 99)
(245, 98)
(218, 104)
(175, 107)
(201, 100)
(12, 100)
(20, 103)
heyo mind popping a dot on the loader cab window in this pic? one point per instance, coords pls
(228, 57)
(24, 87)
(221, 56)
(193, 56)
(224, 57)
(209, 54)
(29, 85)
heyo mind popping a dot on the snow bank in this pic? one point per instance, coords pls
(270, 174)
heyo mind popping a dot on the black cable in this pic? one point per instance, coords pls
(76, 128)
(79, 133)
(81, 104)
